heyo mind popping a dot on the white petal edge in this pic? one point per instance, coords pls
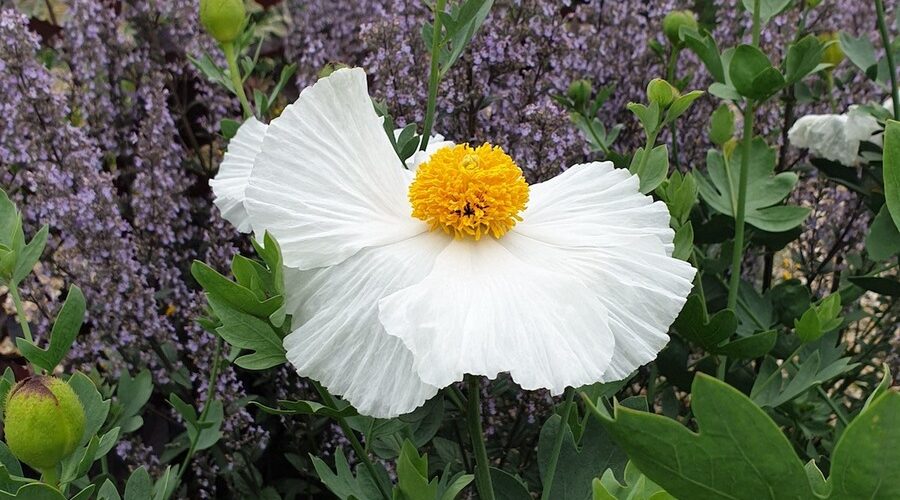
(230, 183)
(337, 338)
(592, 223)
(484, 311)
(594, 201)
(327, 182)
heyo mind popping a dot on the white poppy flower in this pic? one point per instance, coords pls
(400, 282)
(835, 137)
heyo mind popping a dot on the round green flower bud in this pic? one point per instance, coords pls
(223, 19)
(661, 92)
(580, 92)
(673, 22)
(833, 54)
(44, 421)
(812, 4)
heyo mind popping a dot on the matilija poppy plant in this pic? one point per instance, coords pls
(400, 281)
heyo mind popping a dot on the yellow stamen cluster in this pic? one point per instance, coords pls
(469, 192)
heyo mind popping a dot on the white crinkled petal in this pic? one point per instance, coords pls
(337, 338)
(231, 181)
(327, 182)
(483, 310)
(834, 137)
(616, 242)
(594, 201)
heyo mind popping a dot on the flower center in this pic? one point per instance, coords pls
(469, 192)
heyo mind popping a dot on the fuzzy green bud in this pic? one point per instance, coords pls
(673, 22)
(44, 421)
(223, 19)
(661, 92)
(580, 92)
(833, 54)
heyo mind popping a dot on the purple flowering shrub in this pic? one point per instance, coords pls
(116, 115)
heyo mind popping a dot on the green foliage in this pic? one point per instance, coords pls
(865, 458)
(65, 329)
(636, 487)
(892, 169)
(738, 452)
(721, 125)
(765, 190)
(459, 26)
(344, 483)
(819, 319)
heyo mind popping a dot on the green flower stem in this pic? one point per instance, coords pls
(50, 477)
(547, 480)
(434, 78)
(737, 251)
(211, 387)
(20, 311)
(235, 73)
(590, 125)
(348, 431)
(889, 55)
(482, 466)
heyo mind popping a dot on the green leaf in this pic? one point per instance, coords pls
(705, 47)
(237, 296)
(412, 476)
(507, 486)
(803, 57)
(30, 254)
(719, 188)
(892, 169)
(721, 125)
(808, 327)
(767, 8)
(95, 407)
(139, 486)
(245, 331)
(108, 491)
(651, 171)
(637, 486)
(882, 387)
(684, 242)
(777, 384)
(8, 460)
(468, 20)
(647, 115)
(8, 219)
(35, 491)
(860, 51)
(883, 286)
(286, 407)
(65, 329)
(752, 74)
(739, 453)
(883, 240)
(229, 128)
(817, 480)
(579, 463)
(343, 483)
(693, 325)
(7, 381)
(132, 394)
(754, 346)
(864, 461)
(681, 105)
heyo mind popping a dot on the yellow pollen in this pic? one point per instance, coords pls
(469, 192)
